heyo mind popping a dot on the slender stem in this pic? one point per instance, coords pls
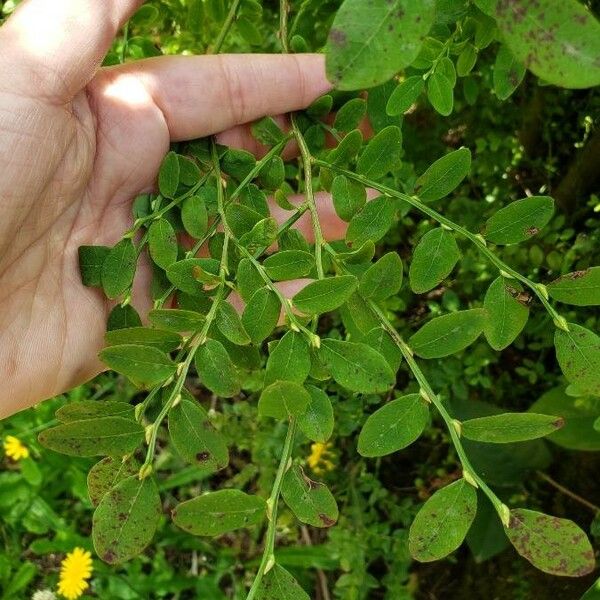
(125, 45)
(567, 492)
(268, 558)
(231, 16)
(478, 241)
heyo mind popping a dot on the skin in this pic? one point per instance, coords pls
(77, 143)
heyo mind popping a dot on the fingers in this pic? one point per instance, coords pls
(61, 43)
(204, 95)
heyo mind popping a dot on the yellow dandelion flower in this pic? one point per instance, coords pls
(75, 570)
(15, 448)
(320, 457)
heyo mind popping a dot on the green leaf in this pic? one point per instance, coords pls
(310, 501)
(126, 519)
(443, 522)
(360, 256)
(445, 66)
(510, 427)
(289, 264)
(433, 260)
(91, 259)
(278, 584)
(557, 41)
(188, 275)
(237, 163)
(167, 341)
(506, 314)
(508, 73)
(405, 95)
(118, 268)
(194, 216)
(112, 436)
(107, 473)
(121, 317)
(283, 399)
(579, 415)
(381, 341)
(144, 365)
(372, 222)
(261, 315)
(290, 359)
(383, 279)
(168, 176)
(263, 234)
(369, 42)
(216, 370)
(347, 149)
(578, 354)
(230, 325)
(194, 437)
(519, 221)
(267, 132)
(162, 243)
(248, 279)
(448, 334)
(348, 197)
(92, 409)
(325, 295)
(553, 545)
(350, 115)
(466, 60)
(176, 319)
(581, 288)
(440, 93)
(316, 423)
(357, 366)
(382, 154)
(444, 175)
(394, 426)
(219, 512)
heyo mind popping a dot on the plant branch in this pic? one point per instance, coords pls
(231, 16)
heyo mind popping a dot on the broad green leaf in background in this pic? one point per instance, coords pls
(283, 399)
(350, 115)
(230, 325)
(162, 243)
(118, 268)
(107, 473)
(92, 409)
(405, 95)
(219, 512)
(579, 415)
(216, 370)
(448, 334)
(348, 197)
(510, 427)
(394, 426)
(440, 93)
(508, 73)
(558, 41)
(372, 222)
(433, 259)
(357, 366)
(325, 295)
(125, 520)
(519, 221)
(121, 317)
(289, 360)
(506, 314)
(446, 67)
(176, 319)
(578, 354)
(443, 522)
(194, 216)
(381, 341)
(168, 176)
(553, 545)
(369, 42)
(316, 423)
(383, 279)
(382, 154)
(167, 341)
(486, 537)
(261, 314)
(267, 132)
(278, 584)
(466, 60)
(581, 288)
(144, 365)
(102, 436)
(444, 175)
(194, 437)
(289, 264)
(310, 501)
(91, 259)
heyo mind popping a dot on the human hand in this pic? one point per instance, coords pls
(77, 143)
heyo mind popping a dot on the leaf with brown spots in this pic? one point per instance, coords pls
(581, 288)
(106, 474)
(553, 545)
(278, 584)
